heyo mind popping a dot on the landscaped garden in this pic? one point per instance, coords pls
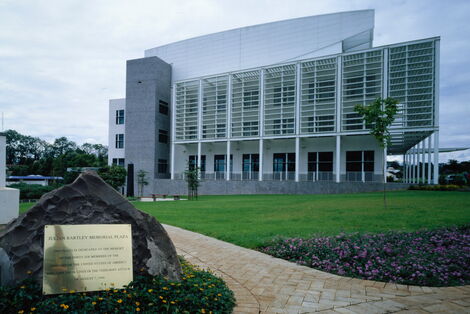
(346, 234)
(198, 292)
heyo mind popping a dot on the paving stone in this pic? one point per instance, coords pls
(264, 284)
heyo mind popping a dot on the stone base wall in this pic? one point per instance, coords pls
(179, 187)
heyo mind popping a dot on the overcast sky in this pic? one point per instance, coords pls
(61, 61)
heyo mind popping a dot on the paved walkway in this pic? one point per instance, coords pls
(264, 284)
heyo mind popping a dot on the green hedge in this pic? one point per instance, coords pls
(31, 191)
(436, 187)
(198, 292)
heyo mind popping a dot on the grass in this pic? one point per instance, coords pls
(253, 220)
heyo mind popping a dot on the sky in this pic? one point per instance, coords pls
(62, 60)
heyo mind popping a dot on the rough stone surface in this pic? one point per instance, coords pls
(88, 200)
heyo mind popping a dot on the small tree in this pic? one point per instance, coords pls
(379, 116)
(141, 181)
(192, 178)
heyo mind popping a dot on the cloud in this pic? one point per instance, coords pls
(62, 60)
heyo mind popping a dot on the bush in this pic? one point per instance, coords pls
(436, 187)
(198, 292)
(427, 258)
(31, 191)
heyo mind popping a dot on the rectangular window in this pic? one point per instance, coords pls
(163, 136)
(163, 107)
(193, 162)
(284, 162)
(219, 163)
(119, 141)
(250, 128)
(119, 116)
(162, 166)
(321, 161)
(118, 161)
(360, 165)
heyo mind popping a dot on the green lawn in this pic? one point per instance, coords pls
(251, 220)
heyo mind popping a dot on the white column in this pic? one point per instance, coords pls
(423, 161)
(173, 132)
(385, 164)
(404, 168)
(261, 161)
(228, 162)
(436, 157)
(339, 87)
(429, 160)
(413, 165)
(363, 176)
(172, 162)
(199, 144)
(338, 158)
(418, 163)
(298, 89)
(297, 158)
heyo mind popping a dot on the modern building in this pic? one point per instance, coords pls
(270, 107)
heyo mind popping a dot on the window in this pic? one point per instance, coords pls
(359, 165)
(118, 161)
(119, 141)
(250, 128)
(219, 163)
(163, 136)
(162, 166)
(193, 162)
(283, 126)
(119, 116)
(284, 162)
(251, 98)
(321, 161)
(163, 107)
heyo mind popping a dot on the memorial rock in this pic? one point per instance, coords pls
(88, 200)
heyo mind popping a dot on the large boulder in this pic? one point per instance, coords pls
(88, 200)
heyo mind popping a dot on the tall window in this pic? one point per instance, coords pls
(119, 141)
(118, 162)
(163, 107)
(360, 165)
(119, 116)
(163, 136)
(162, 166)
(220, 162)
(193, 162)
(320, 166)
(250, 166)
(283, 162)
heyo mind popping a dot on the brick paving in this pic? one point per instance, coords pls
(264, 284)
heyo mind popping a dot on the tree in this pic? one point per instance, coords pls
(379, 116)
(113, 175)
(141, 181)
(192, 178)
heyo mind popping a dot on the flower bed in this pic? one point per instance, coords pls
(198, 292)
(426, 258)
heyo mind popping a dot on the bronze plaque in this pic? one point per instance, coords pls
(86, 257)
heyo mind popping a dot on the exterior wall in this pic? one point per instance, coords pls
(113, 152)
(148, 81)
(318, 144)
(3, 168)
(179, 187)
(269, 43)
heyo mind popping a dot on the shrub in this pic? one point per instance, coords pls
(436, 187)
(31, 191)
(428, 258)
(198, 291)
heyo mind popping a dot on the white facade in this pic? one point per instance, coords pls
(116, 127)
(9, 198)
(271, 43)
(278, 98)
